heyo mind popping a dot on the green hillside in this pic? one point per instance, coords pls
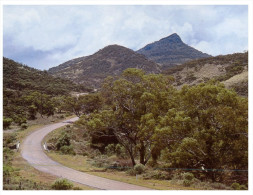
(27, 92)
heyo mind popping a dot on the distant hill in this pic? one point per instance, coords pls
(232, 70)
(28, 92)
(109, 61)
(20, 77)
(171, 51)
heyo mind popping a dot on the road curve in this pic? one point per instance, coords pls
(32, 151)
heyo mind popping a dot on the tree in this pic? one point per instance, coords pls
(83, 104)
(210, 131)
(38, 102)
(134, 103)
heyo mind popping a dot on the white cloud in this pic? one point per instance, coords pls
(61, 33)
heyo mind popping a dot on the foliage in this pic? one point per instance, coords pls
(134, 103)
(62, 184)
(63, 140)
(237, 186)
(24, 126)
(112, 149)
(7, 122)
(83, 104)
(157, 174)
(67, 150)
(27, 91)
(139, 168)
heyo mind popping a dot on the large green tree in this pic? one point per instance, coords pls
(209, 129)
(134, 103)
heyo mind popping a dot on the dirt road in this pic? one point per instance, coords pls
(32, 151)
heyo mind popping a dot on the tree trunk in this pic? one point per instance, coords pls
(142, 154)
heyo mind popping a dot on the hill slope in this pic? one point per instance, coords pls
(232, 70)
(27, 91)
(111, 60)
(171, 51)
(20, 77)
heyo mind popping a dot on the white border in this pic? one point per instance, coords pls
(142, 2)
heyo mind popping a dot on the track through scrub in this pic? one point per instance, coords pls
(32, 151)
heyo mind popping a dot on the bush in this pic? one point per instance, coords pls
(62, 184)
(131, 172)
(237, 186)
(7, 122)
(187, 183)
(7, 170)
(19, 120)
(67, 150)
(160, 175)
(120, 151)
(24, 126)
(139, 168)
(64, 140)
(110, 149)
(188, 176)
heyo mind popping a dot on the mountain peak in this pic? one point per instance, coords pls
(173, 38)
(170, 51)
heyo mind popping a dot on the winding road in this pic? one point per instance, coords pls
(32, 151)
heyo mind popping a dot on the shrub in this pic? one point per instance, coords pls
(7, 170)
(24, 126)
(7, 122)
(243, 187)
(188, 176)
(120, 151)
(139, 168)
(67, 150)
(62, 184)
(237, 186)
(131, 172)
(19, 120)
(187, 183)
(110, 149)
(160, 175)
(64, 140)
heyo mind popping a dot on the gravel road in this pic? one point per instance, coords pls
(32, 151)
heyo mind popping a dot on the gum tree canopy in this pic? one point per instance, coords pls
(199, 126)
(134, 103)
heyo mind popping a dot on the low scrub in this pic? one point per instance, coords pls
(62, 184)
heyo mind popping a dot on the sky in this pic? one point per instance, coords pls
(45, 36)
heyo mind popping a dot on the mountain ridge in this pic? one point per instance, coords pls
(170, 51)
(108, 61)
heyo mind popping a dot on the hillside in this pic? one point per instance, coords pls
(171, 51)
(232, 70)
(109, 61)
(27, 92)
(20, 77)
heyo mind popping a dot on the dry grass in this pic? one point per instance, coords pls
(236, 79)
(82, 164)
(28, 172)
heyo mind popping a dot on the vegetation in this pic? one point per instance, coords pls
(138, 124)
(236, 61)
(203, 127)
(111, 60)
(62, 184)
(28, 92)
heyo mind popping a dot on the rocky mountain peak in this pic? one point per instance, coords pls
(174, 38)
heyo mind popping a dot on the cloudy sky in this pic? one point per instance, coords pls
(46, 36)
